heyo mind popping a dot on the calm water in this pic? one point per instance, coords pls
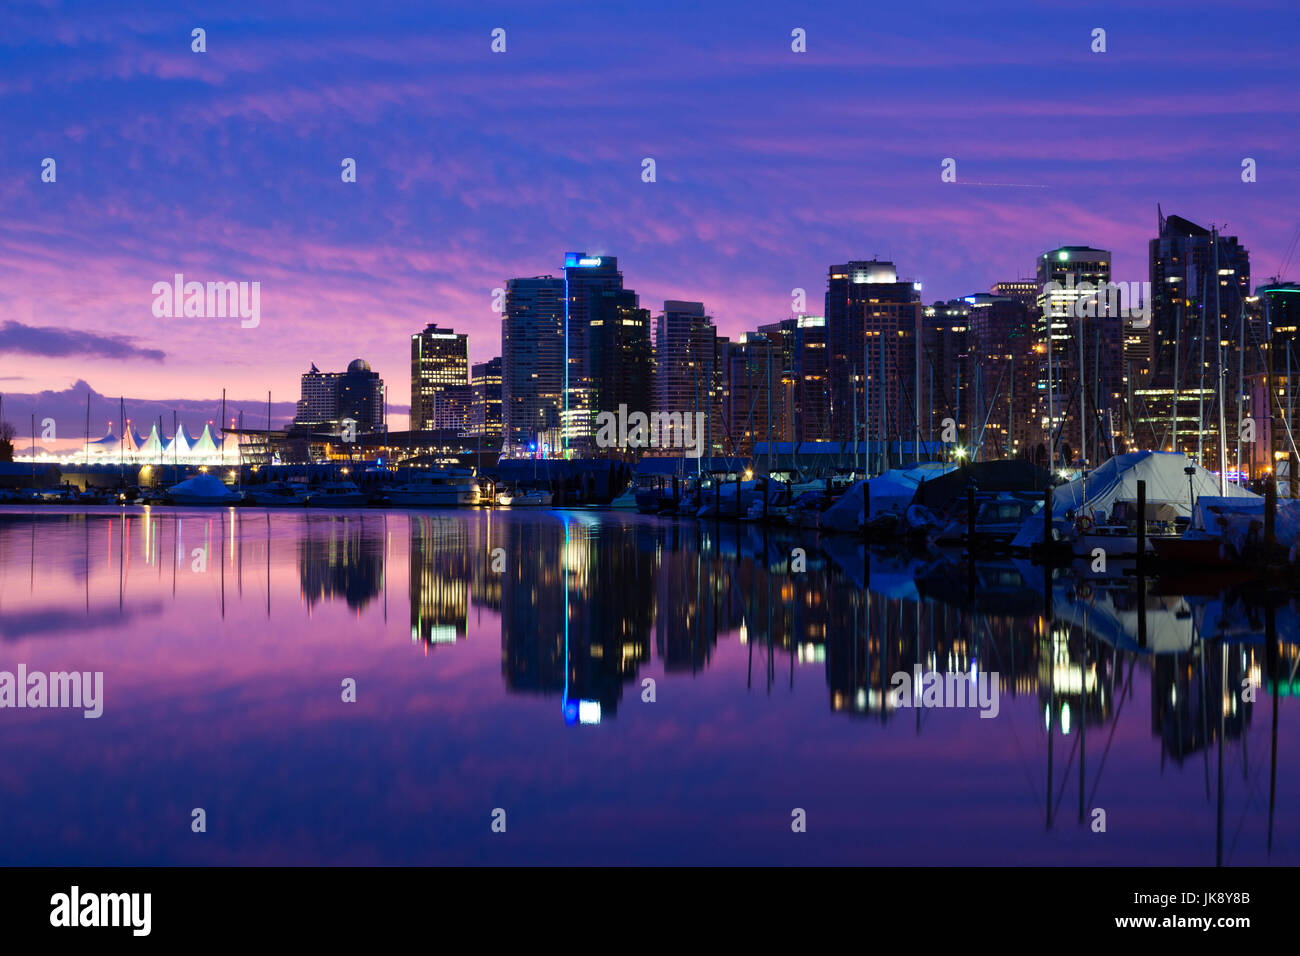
(224, 638)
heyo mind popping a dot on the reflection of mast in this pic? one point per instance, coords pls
(1051, 706)
(916, 666)
(1083, 712)
(1223, 692)
(1271, 664)
(1205, 719)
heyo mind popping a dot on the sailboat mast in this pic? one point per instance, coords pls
(1051, 397)
(695, 387)
(880, 388)
(1222, 373)
(1083, 394)
(916, 385)
(1178, 334)
(1241, 383)
(855, 422)
(769, 413)
(1200, 390)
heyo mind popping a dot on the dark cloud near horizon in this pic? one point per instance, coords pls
(68, 407)
(50, 342)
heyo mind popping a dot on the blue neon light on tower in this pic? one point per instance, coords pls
(597, 274)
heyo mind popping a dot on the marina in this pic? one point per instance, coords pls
(1158, 505)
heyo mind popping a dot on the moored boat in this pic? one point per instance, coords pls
(526, 498)
(277, 494)
(337, 494)
(437, 489)
(203, 490)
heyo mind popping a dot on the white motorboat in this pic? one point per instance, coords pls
(337, 494)
(626, 501)
(277, 494)
(531, 497)
(437, 489)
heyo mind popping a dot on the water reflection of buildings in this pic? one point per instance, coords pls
(691, 604)
(442, 560)
(1196, 696)
(341, 556)
(584, 600)
(576, 613)
(1076, 677)
(900, 613)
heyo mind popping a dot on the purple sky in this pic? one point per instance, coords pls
(475, 166)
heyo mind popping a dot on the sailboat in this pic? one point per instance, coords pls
(529, 497)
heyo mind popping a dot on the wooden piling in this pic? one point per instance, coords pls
(1270, 519)
(970, 519)
(1142, 524)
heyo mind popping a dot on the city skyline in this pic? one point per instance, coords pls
(742, 434)
(285, 405)
(232, 173)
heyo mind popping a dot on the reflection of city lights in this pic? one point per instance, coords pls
(1065, 717)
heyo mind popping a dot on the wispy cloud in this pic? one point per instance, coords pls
(63, 343)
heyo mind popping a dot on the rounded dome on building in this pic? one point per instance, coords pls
(358, 365)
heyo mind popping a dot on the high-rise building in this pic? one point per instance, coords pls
(619, 363)
(802, 403)
(532, 365)
(688, 370)
(320, 397)
(1081, 385)
(1000, 343)
(812, 380)
(439, 360)
(586, 280)
(872, 325)
(453, 409)
(1271, 406)
(947, 376)
(1199, 285)
(754, 412)
(784, 380)
(331, 398)
(1024, 291)
(485, 420)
